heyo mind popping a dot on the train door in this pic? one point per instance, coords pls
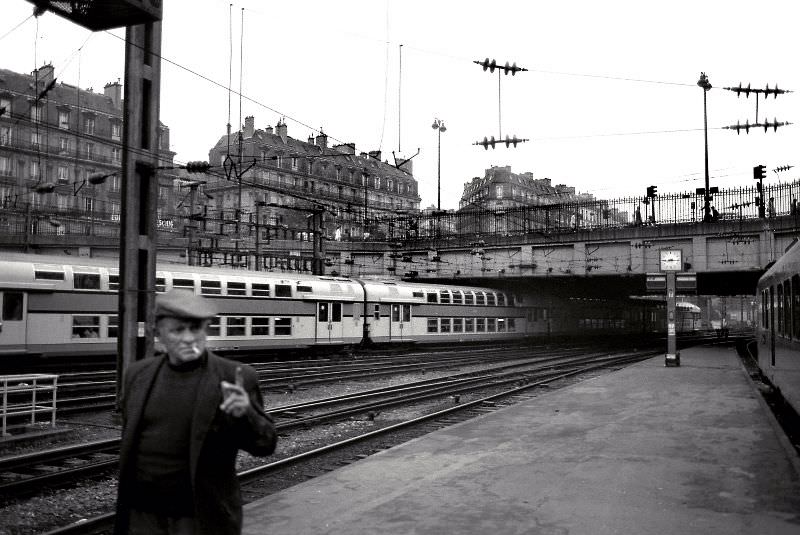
(329, 322)
(12, 322)
(772, 325)
(400, 322)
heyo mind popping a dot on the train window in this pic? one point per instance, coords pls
(161, 284)
(304, 288)
(260, 326)
(236, 325)
(260, 289)
(480, 298)
(395, 313)
(796, 305)
(322, 312)
(86, 281)
(113, 282)
(433, 325)
(469, 298)
(417, 294)
(283, 326)
(237, 288)
(444, 325)
(433, 298)
(48, 275)
(213, 328)
(512, 325)
(763, 309)
(406, 313)
(458, 297)
(12, 306)
(501, 300)
(336, 312)
(113, 325)
(780, 309)
(480, 325)
(210, 287)
(458, 325)
(283, 290)
(490, 299)
(85, 326)
(377, 312)
(469, 325)
(186, 284)
(444, 297)
(501, 325)
(491, 325)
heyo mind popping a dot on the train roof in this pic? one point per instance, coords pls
(785, 267)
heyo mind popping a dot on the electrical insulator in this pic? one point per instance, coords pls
(197, 167)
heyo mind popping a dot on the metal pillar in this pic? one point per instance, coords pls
(139, 196)
(673, 357)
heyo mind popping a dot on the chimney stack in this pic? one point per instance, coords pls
(113, 90)
(322, 140)
(249, 126)
(282, 130)
(375, 154)
(268, 129)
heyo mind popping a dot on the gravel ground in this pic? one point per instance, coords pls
(52, 508)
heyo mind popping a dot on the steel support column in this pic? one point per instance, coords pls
(139, 196)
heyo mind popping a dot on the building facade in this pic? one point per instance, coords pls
(53, 137)
(284, 181)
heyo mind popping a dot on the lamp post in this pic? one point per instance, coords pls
(439, 125)
(706, 85)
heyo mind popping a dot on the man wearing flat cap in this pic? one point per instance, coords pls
(186, 413)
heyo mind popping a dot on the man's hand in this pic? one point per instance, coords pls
(235, 400)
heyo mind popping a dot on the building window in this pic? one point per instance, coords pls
(352, 176)
(89, 151)
(5, 135)
(5, 165)
(294, 163)
(279, 161)
(63, 144)
(114, 183)
(116, 154)
(5, 104)
(89, 204)
(498, 190)
(36, 139)
(88, 126)
(63, 172)
(116, 130)
(63, 120)
(34, 169)
(36, 113)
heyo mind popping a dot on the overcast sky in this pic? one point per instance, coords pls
(610, 102)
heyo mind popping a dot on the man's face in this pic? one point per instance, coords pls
(183, 339)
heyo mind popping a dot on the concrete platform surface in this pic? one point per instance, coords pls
(644, 450)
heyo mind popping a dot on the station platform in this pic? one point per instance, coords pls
(644, 450)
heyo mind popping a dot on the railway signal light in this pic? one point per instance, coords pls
(760, 172)
(652, 191)
(197, 167)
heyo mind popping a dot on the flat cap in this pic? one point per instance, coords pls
(183, 304)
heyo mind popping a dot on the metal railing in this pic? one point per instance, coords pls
(27, 395)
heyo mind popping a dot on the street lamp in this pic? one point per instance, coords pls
(439, 125)
(706, 85)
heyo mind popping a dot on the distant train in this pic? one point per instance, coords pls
(61, 306)
(58, 306)
(778, 325)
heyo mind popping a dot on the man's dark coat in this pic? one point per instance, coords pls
(215, 441)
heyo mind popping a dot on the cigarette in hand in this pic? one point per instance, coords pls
(196, 350)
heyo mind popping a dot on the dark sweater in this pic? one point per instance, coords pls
(163, 481)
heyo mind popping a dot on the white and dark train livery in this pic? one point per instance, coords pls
(65, 306)
(778, 325)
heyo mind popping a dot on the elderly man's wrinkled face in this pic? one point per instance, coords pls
(183, 339)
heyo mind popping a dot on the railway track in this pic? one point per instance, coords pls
(510, 383)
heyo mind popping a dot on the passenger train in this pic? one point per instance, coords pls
(60, 306)
(778, 325)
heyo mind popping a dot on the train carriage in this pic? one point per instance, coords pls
(778, 325)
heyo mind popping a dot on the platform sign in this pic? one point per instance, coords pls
(656, 283)
(686, 283)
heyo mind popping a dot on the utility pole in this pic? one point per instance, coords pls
(706, 86)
